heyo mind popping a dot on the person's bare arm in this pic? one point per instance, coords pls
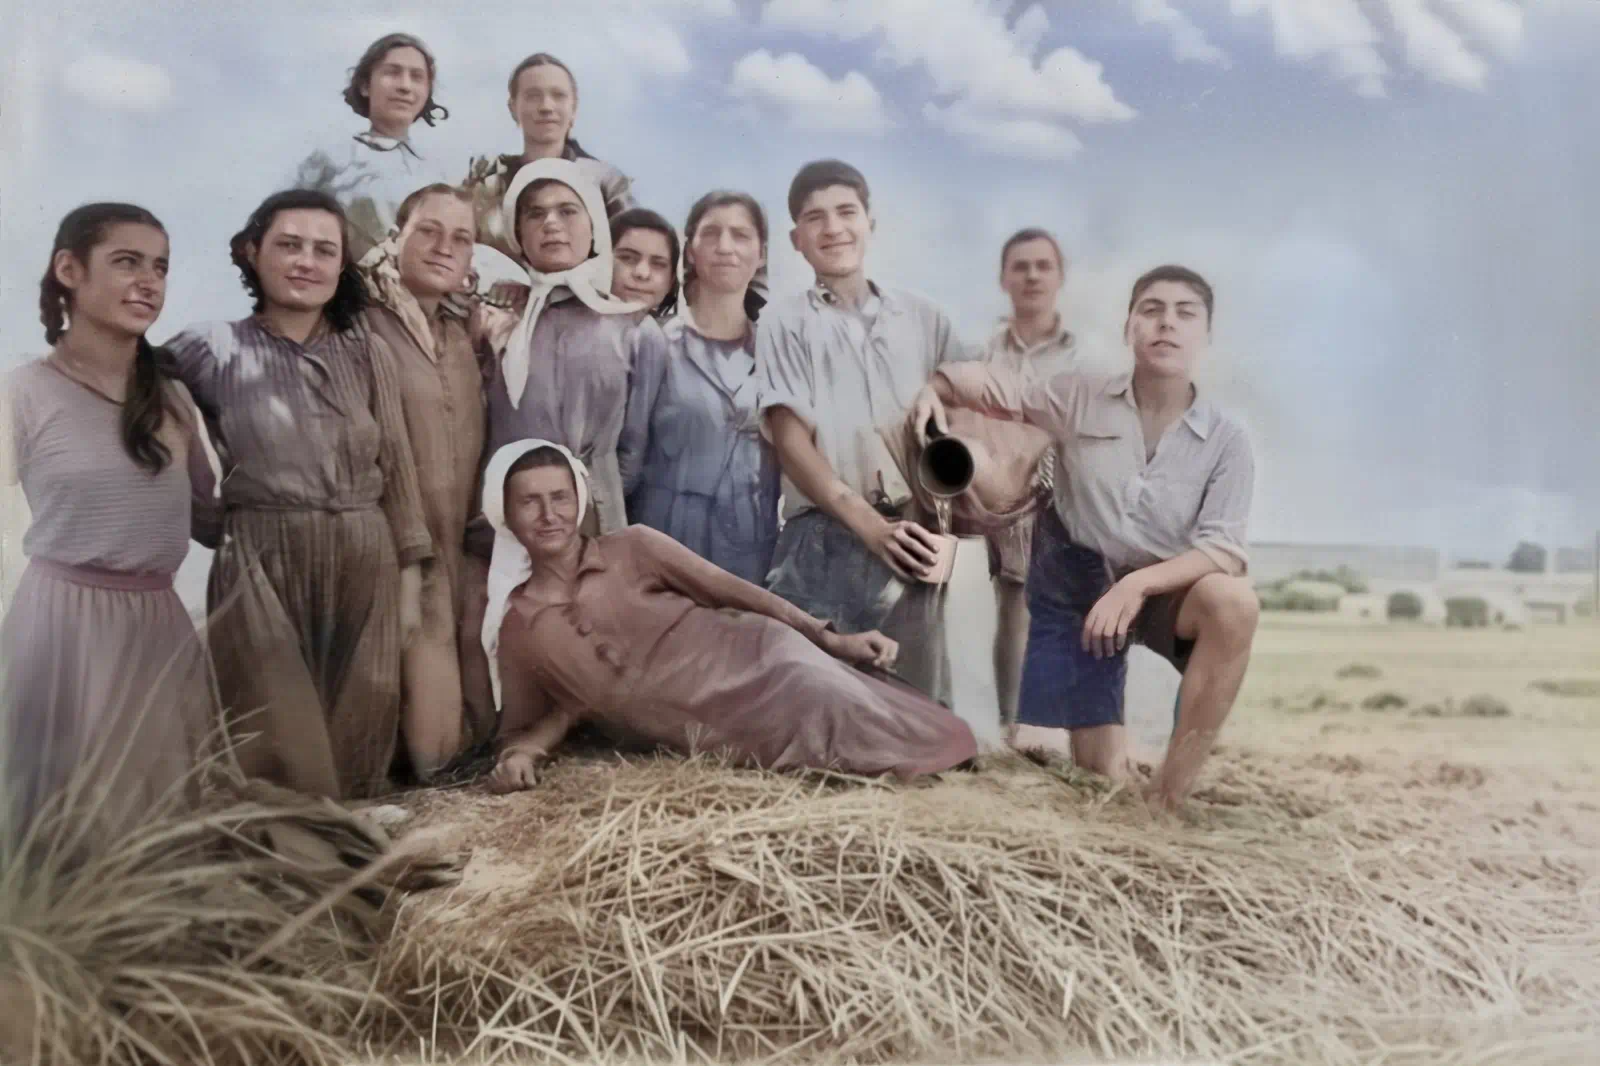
(905, 547)
(530, 729)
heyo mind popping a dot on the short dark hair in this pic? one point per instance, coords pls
(349, 297)
(403, 214)
(1031, 233)
(432, 112)
(544, 456)
(1182, 275)
(823, 174)
(644, 218)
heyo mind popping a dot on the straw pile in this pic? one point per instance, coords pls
(244, 933)
(681, 911)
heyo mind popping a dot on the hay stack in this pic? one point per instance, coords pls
(245, 933)
(664, 909)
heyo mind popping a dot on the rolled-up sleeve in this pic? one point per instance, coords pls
(1220, 527)
(785, 372)
(1001, 392)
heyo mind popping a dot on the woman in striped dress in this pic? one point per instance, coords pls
(106, 695)
(318, 580)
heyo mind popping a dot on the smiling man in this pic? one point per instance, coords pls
(1146, 540)
(836, 363)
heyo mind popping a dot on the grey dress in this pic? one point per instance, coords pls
(707, 477)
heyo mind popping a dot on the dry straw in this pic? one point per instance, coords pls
(667, 910)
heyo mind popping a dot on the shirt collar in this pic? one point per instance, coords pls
(1201, 416)
(821, 294)
(379, 143)
(1060, 337)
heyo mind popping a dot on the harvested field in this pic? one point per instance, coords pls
(1348, 887)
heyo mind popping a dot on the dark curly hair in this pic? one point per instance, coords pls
(349, 297)
(144, 409)
(646, 219)
(432, 113)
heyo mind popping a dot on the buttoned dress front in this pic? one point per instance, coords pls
(322, 511)
(655, 643)
(707, 477)
(441, 391)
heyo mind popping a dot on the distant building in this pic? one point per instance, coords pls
(1275, 561)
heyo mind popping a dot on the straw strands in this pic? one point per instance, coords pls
(682, 911)
(662, 910)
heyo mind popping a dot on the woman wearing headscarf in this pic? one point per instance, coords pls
(318, 581)
(372, 171)
(558, 362)
(708, 479)
(542, 96)
(106, 696)
(410, 278)
(635, 633)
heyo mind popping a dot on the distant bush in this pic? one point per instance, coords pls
(1344, 577)
(1466, 611)
(1405, 605)
(1279, 596)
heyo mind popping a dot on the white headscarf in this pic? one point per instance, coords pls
(510, 565)
(589, 281)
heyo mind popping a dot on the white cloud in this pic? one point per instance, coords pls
(985, 75)
(1435, 49)
(1498, 23)
(1189, 43)
(1336, 29)
(661, 51)
(119, 82)
(1025, 138)
(807, 97)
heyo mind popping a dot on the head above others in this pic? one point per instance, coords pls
(1032, 272)
(542, 96)
(392, 85)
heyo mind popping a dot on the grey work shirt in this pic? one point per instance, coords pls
(847, 371)
(1194, 492)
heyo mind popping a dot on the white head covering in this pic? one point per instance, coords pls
(510, 565)
(589, 281)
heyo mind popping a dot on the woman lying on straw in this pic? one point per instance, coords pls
(635, 633)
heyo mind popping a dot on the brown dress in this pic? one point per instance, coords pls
(322, 512)
(647, 648)
(105, 680)
(442, 392)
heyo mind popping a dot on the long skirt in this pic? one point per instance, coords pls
(107, 699)
(305, 635)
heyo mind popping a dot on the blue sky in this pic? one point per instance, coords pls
(1392, 197)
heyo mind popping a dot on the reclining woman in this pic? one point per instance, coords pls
(635, 633)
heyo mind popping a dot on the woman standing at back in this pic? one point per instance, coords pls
(105, 682)
(372, 172)
(543, 101)
(707, 477)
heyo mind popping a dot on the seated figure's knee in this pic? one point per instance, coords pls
(1229, 605)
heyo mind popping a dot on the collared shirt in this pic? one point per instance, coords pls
(847, 372)
(1194, 492)
(1045, 358)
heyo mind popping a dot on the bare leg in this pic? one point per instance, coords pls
(1219, 614)
(431, 715)
(475, 685)
(1010, 645)
(1103, 749)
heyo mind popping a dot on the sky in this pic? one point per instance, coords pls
(1393, 199)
